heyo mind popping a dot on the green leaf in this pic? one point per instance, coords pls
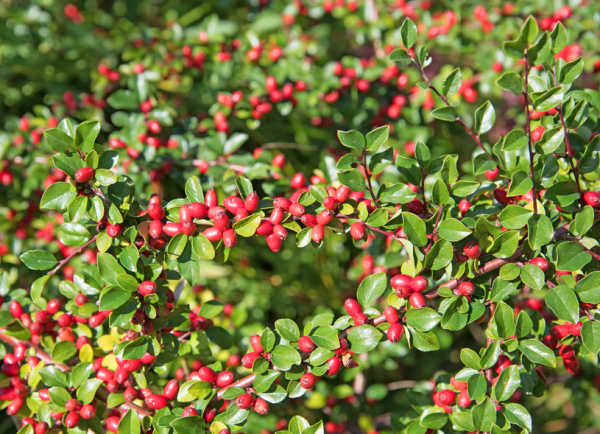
(364, 338)
(583, 221)
(129, 424)
(470, 358)
(371, 288)
(520, 183)
(424, 341)
(176, 246)
(423, 319)
(409, 169)
(433, 418)
(81, 373)
(524, 325)
(112, 298)
(414, 229)
(517, 414)
(485, 116)
(37, 287)
(193, 190)
(380, 161)
(590, 335)
(377, 137)
(505, 320)
(563, 302)
(87, 391)
(464, 188)
(550, 141)
(57, 197)
(408, 33)
(484, 415)
(326, 337)
(543, 101)
(59, 396)
(63, 351)
(353, 179)
(508, 382)
(397, 194)
(38, 260)
(52, 376)
(452, 83)
(244, 186)
(123, 100)
(447, 114)
(558, 38)
(58, 140)
(400, 55)
(571, 256)
(570, 71)
(514, 217)
(453, 230)
(109, 268)
(514, 141)
(533, 276)
(439, 193)
(562, 193)
(352, 139)
(284, 357)
(540, 231)
(195, 424)
(537, 352)
(85, 135)
(202, 247)
(439, 256)
(512, 82)
(288, 329)
(188, 263)
(588, 288)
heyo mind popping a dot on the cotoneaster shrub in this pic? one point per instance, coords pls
(508, 246)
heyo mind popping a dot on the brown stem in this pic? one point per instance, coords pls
(368, 175)
(528, 132)
(68, 258)
(445, 100)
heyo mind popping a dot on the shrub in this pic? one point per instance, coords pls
(156, 304)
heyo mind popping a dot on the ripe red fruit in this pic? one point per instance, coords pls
(198, 210)
(491, 175)
(466, 288)
(147, 288)
(592, 198)
(189, 411)
(297, 210)
(575, 329)
(130, 394)
(279, 160)
(251, 203)
(213, 234)
(171, 389)
(274, 242)
(318, 233)
(73, 405)
(298, 180)
(502, 363)
(308, 380)
(265, 228)
(14, 406)
(360, 319)
(41, 428)
(353, 307)
(185, 214)
(85, 174)
(357, 231)
(566, 351)
(472, 250)
(335, 364)
(306, 344)
(464, 206)
(244, 401)
(501, 196)
(210, 198)
(391, 314)
(81, 299)
(550, 342)
(72, 420)
(88, 411)
(229, 238)
(276, 216)
(225, 378)
(416, 300)
(233, 203)
(156, 229)
(248, 359)
(416, 207)
(571, 365)
(341, 194)
(324, 217)
(463, 399)
(15, 309)
(330, 203)
(540, 262)
(261, 406)
(394, 332)
(447, 397)
(208, 375)
(559, 332)
(113, 231)
(112, 424)
(156, 402)
(418, 283)
(400, 281)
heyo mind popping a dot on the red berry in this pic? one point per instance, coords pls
(418, 283)
(391, 314)
(463, 399)
(171, 389)
(308, 380)
(352, 307)
(592, 198)
(447, 397)
(147, 287)
(156, 402)
(72, 420)
(225, 378)
(394, 332)
(502, 363)
(466, 288)
(472, 250)
(244, 401)
(113, 231)
(357, 231)
(464, 205)
(261, 406)
(417, 300)
(85, 174)
(335, 364)
(540, 262)
(306, 344)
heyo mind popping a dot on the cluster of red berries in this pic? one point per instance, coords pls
(411, 288)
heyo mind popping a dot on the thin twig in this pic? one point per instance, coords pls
(528, 132)
(68, 258)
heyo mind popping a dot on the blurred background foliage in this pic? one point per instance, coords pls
(50, 54)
